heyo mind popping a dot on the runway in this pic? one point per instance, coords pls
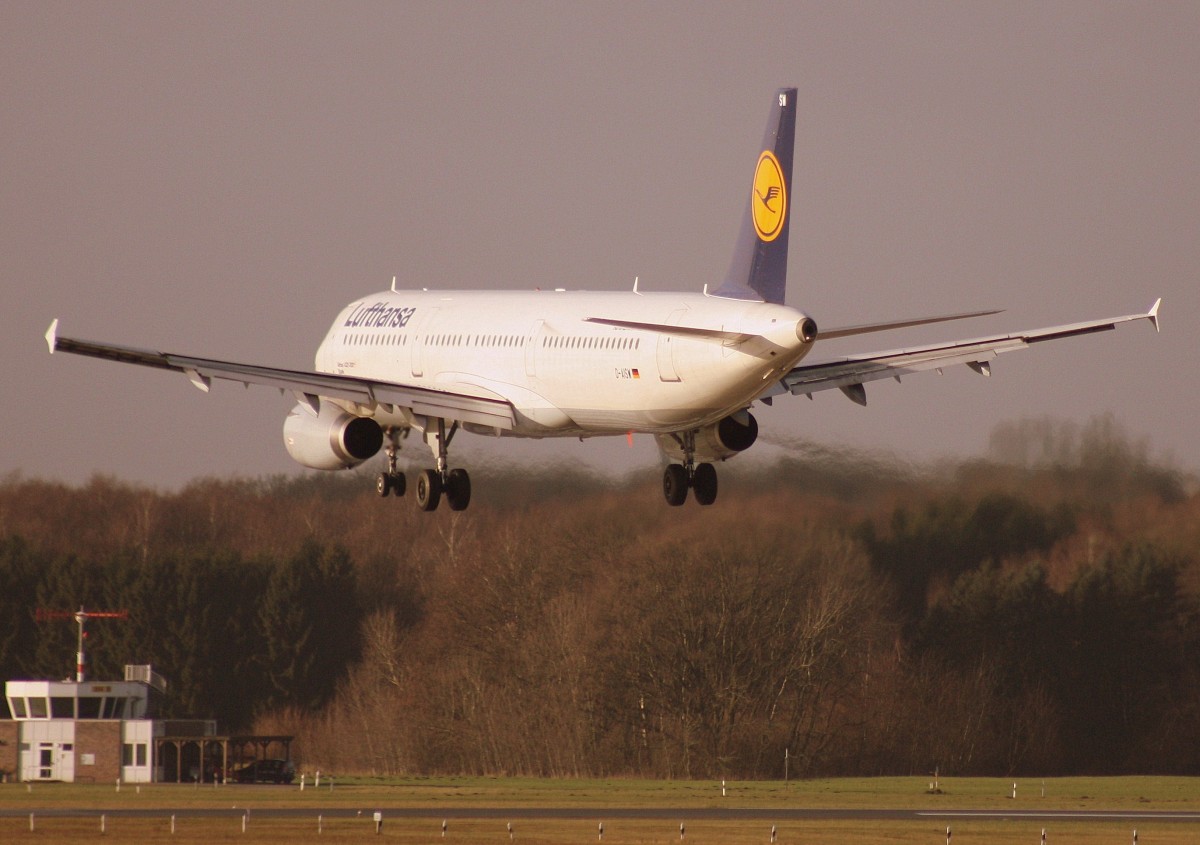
(681, 814)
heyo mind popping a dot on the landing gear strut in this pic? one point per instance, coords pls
(700, 478)
(391, 481)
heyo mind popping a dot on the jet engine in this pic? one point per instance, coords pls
(717, 442)
(331, 439)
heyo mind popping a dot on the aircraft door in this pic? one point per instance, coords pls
(666, 349)
(420, 341)
(531, 348)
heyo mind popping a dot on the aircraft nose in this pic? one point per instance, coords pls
(806, 330)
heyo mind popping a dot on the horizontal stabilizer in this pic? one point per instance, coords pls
(664, 328)
(867, 328)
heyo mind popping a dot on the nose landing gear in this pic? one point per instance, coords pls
(391, 481)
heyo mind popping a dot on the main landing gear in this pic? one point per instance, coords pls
(431, 484)
(454, 485)
(679, 478)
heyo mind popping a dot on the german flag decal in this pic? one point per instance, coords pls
(770, 198)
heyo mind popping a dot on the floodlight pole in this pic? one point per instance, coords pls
(80, 660)
(81, 617)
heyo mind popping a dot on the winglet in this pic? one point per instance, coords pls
(52, 335)
(1152, 314)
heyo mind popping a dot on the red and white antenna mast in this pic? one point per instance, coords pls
(81, 616)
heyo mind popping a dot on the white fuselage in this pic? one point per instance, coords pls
(566, 376)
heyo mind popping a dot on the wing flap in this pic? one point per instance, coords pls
(423, 401)
(810, 378)
(844, 372)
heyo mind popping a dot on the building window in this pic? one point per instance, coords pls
(62, 707)
(134, 754)
(89, 707)
(18, 708)
(37, 708)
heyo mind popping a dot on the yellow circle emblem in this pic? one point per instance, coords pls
(769, 200)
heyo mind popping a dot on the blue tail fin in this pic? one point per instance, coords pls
(759, 268)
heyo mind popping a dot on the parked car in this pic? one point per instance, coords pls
(266, 771)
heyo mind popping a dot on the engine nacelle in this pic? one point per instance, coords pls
(717, 442)
(331, 439)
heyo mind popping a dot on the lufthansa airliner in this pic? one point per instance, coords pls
(686, 368)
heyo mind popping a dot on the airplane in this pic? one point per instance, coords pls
(684, 367)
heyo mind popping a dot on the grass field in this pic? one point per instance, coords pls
(438, 795)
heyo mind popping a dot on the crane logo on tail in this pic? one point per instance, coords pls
(770, 197)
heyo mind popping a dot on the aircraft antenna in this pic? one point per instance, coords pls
(81, 616)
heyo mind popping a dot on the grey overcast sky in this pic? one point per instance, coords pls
(220, 178)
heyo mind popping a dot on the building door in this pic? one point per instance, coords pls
(49, 761)
(47, 750)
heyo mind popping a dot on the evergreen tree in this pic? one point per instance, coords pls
(1131, 630)
(309, 621)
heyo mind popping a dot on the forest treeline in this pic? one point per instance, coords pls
(1037, 612)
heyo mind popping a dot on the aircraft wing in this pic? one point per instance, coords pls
(306, 386)
(850, 373)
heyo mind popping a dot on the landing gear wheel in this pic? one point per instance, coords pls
(704, 484)
(675, 485)
(458, 489)
(429, 489)
(390, 484)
